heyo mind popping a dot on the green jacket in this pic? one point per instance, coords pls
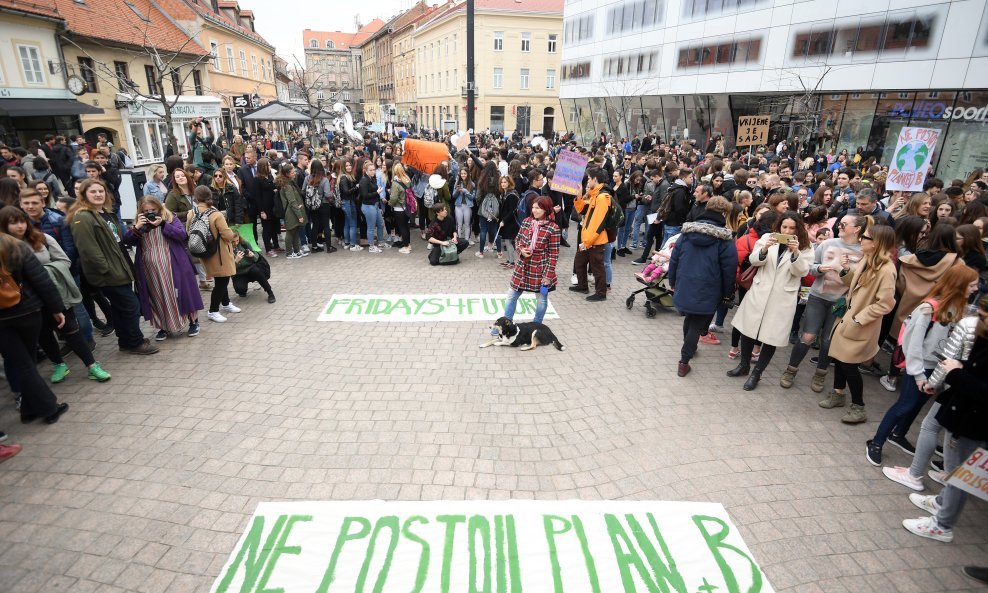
(102, 260)
(294, 207)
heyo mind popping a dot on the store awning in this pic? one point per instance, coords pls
(275, 111)
(45, 107)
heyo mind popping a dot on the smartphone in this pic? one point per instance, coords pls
(782, 238)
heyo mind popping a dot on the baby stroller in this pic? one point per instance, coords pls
(656, 289)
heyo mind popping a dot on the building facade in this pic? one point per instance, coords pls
(517, 57)
(333, 59)
(835, 75)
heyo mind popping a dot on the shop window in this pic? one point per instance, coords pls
(87, 71)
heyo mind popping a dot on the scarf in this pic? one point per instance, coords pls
(536, 225)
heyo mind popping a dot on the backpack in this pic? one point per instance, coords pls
(666, 204)
(490, 207)
(429, 197)
(10, 291)
(614, 217)
(899, 355)
(411, 204)
(313, 197)
(279, 204)
(521, 210)
(202, 242)
(337, 197)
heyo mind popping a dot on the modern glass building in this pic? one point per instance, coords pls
(837, 75)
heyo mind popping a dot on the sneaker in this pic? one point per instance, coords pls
(638, 262)
(873, 453)
(356, 248)
(788, 377)
(193, 329)
(715, 329)
(215, 316)
(733, 354)
(902, 476)
(305, 250)
(59, 372)
(471, 242)
(96, 373)
(293, 256)
(902, 443)
(270, 253)
(145, 348)
(373, 249)
(816, 360)
(480, 255)
(940, 477)
(871, 369)
(161, 336)
(231, 308)
(937, 464)
(574, 280)
(53, 418)
(710, 339)
(108, 329)
(834, 400)
(926, 502)
(818, 380)
(855, 415)
(596, 297)
(927, 527)
(683, 369)
(939, 452)
(428, 247)
(384, 246)
(8, 451)
(889, 383)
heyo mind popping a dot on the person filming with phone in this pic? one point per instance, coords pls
(782, 258)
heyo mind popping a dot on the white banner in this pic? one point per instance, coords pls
(911, 159)
(427, 307)
(972, 475)
(491, 547)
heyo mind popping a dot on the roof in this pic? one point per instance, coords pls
(340, 39)
(276, 111)
(221, 19)
(134, 22)
(45, 8)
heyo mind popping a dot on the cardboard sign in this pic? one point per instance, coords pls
(752, 130)
(424, 156)
(911, 159)
(972, 475)
(409, 308)
(510, 546)
(568, 177)
(463, 142)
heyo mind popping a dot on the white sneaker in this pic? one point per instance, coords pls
(384, 245)
(231, 308)
(902, 476)
(374, 249)
(356, 248)
(938, 477)
(292, 256)
(574, 280)
(889, 383)
(927, 527)
(216, 317)
(305, 250)
(471, 242)
(927, 503)
(715, 329)
(304, 254)
(405, 250)
(428, 247)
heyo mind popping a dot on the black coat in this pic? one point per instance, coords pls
(247, 189)
(37, 289)
(264, 191)
(679, 205)
(964, 405)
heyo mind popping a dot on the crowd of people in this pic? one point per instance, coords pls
(810, 248)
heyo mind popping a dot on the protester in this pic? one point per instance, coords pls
(221, 265)
(538, 250)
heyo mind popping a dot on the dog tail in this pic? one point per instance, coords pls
(559, 345)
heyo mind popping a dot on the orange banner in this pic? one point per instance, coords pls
(423, 155)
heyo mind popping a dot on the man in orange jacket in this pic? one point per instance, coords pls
(593, 236)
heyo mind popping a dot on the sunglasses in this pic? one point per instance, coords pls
(865, 238)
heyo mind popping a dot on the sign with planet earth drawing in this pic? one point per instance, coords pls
(911, 159)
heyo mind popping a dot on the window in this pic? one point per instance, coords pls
(197, 82)
(329, 44)
(740, 51)
(498, 40)
(243, 63)
(313, 43)
(524, 79)
(635, 15)
(31, 64)
(550, 79)
(552, 44)
(578, 29)
(497, 119)
(253, 65)
(526, 42)
(498, 78)
(214, 50)
(152, 79)
(87, 71)
(346, 95)
(176, 81)
(123, 79)
(231, 64)
(576, 71)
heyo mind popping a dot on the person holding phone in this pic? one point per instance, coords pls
(782, 257)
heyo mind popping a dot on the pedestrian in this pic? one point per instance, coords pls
(401, 200)
(294, 209)
(593, 207)
(221, 265)
(538, 250)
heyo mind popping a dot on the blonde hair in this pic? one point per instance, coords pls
(153, 170)
(165, 212)
(398, 174)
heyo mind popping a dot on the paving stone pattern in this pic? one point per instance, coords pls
(148, 481)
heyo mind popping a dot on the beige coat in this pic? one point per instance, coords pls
(768, 307)
(855, 337)
(221, 263)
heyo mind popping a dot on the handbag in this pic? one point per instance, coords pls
(840, 307)
(746, 277)
(448, 254)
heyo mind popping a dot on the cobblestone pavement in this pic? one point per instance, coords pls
(148, 481)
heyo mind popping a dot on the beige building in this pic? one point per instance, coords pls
(517, 51)
(333, 62)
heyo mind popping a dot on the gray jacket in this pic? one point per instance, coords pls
(919, 343)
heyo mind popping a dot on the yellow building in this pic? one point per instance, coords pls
(368, 69)
(517, 52)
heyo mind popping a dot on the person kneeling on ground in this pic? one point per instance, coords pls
(442, 232)
(251, 267)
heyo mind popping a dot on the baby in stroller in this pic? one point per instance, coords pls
(654, 270)
(653, 277)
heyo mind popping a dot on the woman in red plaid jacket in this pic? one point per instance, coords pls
(537, 246)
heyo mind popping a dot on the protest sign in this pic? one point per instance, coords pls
(911, 159)
(752, 130)
(972, 475)
(423, 155)
(568, 177)
(426, 307)
(509, 546)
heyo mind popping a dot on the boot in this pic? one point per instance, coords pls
(834, 400)
(855, 415)
(788, 377)
(752, 381)
(819, 377)
(739, 371)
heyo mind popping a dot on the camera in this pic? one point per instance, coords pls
(151, 216)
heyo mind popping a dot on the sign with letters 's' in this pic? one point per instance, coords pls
(752, 130)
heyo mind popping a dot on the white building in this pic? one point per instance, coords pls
(844, 74)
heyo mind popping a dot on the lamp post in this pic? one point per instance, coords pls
(471, 83)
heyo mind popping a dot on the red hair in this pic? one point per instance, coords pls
(545, 203)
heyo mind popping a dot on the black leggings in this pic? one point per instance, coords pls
(694, 326)
(270, 228)
(401, 228)
(846, 374)
(764, 356)
(219, 295)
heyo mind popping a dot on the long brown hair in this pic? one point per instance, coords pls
(83, 203)
(190, 184)
(285, 174)
(32, 236)
(884, 239)
(801, 234)
(10, 255)
(263, 168)
(950, 292)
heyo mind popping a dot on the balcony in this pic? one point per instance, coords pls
(465, 90)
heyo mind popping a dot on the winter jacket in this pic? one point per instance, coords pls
(531, 271)
(37, 289)
(768, 307)
(855, 337)
(593, 207)
(703, 265)
(509, 222)
(958, 346)
(178, 202)
(964, 406)
(264, 188)
(291, 202)
(221, 263)
(679, 204)
(103, 261)
(367, 188)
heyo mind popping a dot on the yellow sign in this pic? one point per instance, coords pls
(752, 130)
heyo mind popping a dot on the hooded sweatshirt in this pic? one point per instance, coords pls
(917, 275)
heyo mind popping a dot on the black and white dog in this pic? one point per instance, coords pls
(527, 335)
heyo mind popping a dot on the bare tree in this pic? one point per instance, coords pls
(311, 88)
(622, 96)
(801, 108)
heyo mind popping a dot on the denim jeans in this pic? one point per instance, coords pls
(625, 230)
(926, 444)
(955, 450)
(372, 213)
(541, 304)
(125, 310)
(670, 231)
(608, 250)
(489, 227)
(350, 234)
(903, 412)
(82, 316)
(463, 215)
(636, 229)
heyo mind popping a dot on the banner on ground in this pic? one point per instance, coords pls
(423, 155)
(427, 307)
(568, 177)
(972, 475)
(491, 547)
(911, 159)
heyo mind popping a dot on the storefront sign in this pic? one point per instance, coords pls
(752, 130)
(568, 177)
(492, 547)
(911, 159)
(153, 108)
(426, 307)
(972, 475)
(966, 113)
